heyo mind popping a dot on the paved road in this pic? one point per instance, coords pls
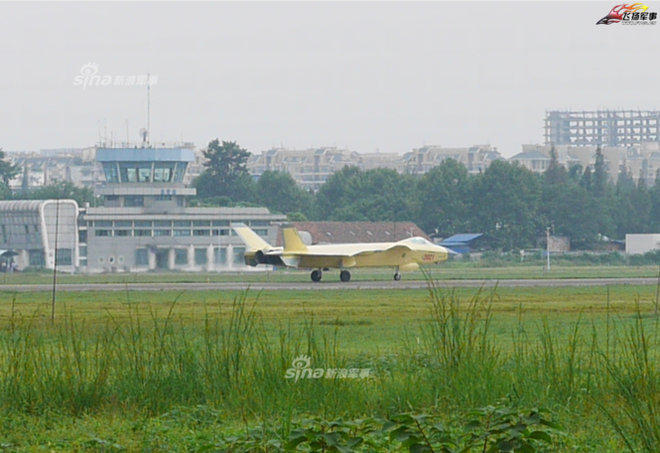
(308, 286)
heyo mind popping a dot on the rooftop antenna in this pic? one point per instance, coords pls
(127, 137)
(148, 103)
(144, 133)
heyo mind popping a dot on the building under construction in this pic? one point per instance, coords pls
(602, 127)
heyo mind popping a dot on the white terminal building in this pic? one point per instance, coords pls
(144, 225)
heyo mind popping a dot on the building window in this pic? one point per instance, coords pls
(103, 232)
(260, 223)
(133, 201)
(144, 174)
(64, 257)
(182, 223)
(221, 223)
(82, 236)
(163, 197)
(141, 257)
(202, 223)
(37, 258)
(162, 223)
(239, 253)
(261, 232)
(201, 258)
(181, 232)
(143, 233)
(143, 223)
(162, 232)
(111, 173)
(180, 257)
(220, 232)
(220, 255)
(201, 232)
(122, 232)
(103, 224)
(82, 251)
(162, 174)
(123, 224)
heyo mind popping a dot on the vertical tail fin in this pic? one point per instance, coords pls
(292, 241)
(251, 239)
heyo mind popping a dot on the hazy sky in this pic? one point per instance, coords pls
(389, 76)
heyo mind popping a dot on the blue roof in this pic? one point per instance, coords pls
(461, 238)
(145, 155)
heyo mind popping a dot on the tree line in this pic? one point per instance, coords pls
(508, 202)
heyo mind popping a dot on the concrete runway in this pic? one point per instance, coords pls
(331, 286)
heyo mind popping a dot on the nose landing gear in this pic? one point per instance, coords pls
(316, 275)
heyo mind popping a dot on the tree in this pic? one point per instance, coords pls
(654, 215)
(632, 213)
(444, 194)
(376, 195)
(226, 172)
(575, 173)
(7, 173)
(571, 210)
(505, 201)
(333, 194)
(278, 191)
(63, 190)
(587, 179)
(556, 172)
(600, 176)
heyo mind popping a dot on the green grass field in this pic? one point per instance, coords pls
(444, 271)
(186, 371)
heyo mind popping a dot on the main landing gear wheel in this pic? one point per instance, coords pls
(345, 276)
(316, 275)
(397, 276)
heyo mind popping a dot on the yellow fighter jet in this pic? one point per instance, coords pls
(405, 255)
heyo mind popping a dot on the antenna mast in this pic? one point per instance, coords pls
(148, 106)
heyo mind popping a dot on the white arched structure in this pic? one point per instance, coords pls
(40, 230)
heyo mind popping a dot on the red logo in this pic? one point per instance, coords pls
(626, 12)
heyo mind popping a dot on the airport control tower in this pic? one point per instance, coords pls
(146, 223)
(150, 178)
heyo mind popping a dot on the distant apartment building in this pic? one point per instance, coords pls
(613, 128)
(641, 160)
(311, 168)
(475, 158)
(49, 166)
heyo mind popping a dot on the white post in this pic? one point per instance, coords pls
(547, 234)
(209, 258)
(171, 259)
(152, 258)
(230, 256)
(191, 257)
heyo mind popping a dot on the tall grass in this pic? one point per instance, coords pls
(154, 362)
